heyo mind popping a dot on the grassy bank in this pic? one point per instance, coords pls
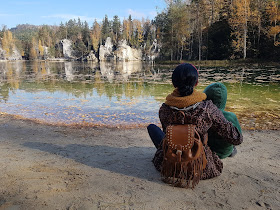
(220, 62)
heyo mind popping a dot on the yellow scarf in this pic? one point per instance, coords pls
(174, 99)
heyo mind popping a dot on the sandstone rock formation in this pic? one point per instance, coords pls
(67, 50)
(126, 53)
(46, 55)
(106, 51)
(14, 55)
(153, 52)
(123, 53)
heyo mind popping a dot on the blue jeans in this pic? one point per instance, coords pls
(156, 134)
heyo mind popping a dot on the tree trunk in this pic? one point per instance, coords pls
(199, 33)
(171, 47)
(245, 33)
(212, 12)
(181, 53)
(191, 48)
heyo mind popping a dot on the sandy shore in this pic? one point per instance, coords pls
(48, 167)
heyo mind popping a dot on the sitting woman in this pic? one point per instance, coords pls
(198, 111)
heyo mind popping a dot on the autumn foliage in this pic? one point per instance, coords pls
(185, 30)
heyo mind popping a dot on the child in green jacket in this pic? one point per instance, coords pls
(217, 92)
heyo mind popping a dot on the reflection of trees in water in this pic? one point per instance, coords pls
(11, 74)
(4, 92)
(3, 71)
(128, 79)
(132, 90)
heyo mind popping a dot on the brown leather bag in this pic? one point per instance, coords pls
(184, 157)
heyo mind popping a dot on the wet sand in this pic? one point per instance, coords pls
(49, 167)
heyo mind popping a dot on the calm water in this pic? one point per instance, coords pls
(128, 93)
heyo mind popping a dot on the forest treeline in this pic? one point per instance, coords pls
(184, 30)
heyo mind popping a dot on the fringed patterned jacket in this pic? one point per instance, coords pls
(207, 117)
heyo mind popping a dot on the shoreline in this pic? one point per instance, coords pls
(52, 167)
(85, 124)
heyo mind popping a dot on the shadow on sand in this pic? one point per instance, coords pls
(131, 161)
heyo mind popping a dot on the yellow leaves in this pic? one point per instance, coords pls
(273, 10)
(32, 51)
(96, 36)
(274, 30)
(139, 31)
(8, 42)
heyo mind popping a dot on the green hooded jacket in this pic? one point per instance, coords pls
(217, 92)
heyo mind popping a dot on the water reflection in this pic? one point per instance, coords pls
(107, 71)
(127, 92)
(69, 71)
(112, 71)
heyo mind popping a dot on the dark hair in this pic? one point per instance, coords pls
(185, 77)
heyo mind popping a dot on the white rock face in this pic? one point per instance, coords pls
(46, 52)
(15, 55)
(106, 51)
(66, 48)
(126, 53)
(153, 51)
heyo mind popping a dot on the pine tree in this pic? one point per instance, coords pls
(116, 28)
(105, 28)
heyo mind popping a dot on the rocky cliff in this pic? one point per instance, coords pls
(126, 53)
(13, 55)
(153, 51)
(123, 52)
(66, 46)
(106, 51)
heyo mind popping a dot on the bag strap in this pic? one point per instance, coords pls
(205, 137)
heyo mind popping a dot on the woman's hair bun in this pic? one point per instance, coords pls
(185, 90)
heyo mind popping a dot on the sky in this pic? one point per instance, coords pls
(53, 12)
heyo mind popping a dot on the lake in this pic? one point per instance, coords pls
(128, 94)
